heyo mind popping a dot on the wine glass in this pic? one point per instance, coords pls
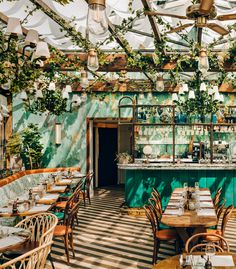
(196, 185)
(210, 250)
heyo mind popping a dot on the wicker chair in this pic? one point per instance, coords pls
(189, 247)
(42, 227)
(34, 259)
(216, 199)
(86, 187)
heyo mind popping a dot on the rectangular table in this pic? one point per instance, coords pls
(190, 219)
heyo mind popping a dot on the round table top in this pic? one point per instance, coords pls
(11, 237)
(173, 262)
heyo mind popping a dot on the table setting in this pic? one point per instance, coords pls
(12, 237)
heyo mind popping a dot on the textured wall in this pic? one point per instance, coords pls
(72, 151)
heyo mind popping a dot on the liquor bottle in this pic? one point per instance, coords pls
(14, 206)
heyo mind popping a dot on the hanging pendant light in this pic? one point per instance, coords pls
(203, 87)
(185, 87)
(52, 86)
(160, 84)
(216, 97)
(65, 95)
(175, 97)
(68, 88)
(97, 21)
(23, 96)
(32, 38)
(203, 63)
(181, 89)
(191, 95)
(42, 51)
(92, 62)
(84, 83)
(14, 27)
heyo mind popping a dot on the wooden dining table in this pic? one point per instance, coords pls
(190, 222)
(12, 237)
(44, 204)
(173, 262)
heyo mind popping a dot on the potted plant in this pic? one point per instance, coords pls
(123, 158)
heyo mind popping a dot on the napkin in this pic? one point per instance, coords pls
(206, 212)
(205, 198)
(222, 260)
(40, 208)
(171, 211)
(206, 204)
(50, 197)
(58, 188)
(5, 210)
(10, 240)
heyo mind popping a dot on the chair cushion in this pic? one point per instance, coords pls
(163, 226)
(61, 204)
(166, 234)
(59, 215)
(60, 230)
(66, 195)
(213, 238)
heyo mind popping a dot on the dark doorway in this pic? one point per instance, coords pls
(107, 167)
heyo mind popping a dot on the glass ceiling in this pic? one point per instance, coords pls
(75, 13)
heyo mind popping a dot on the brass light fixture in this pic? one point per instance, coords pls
(97, 21)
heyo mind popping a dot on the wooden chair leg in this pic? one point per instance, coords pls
(84, 198)
(155, 249)
(72, 244)
(67, 248)
(51, 260)
(88, 195)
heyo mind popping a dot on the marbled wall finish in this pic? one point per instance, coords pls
(72, 151)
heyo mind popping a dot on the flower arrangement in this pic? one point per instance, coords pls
(123, 158)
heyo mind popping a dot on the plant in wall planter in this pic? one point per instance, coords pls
(26, 144)
(123, 158)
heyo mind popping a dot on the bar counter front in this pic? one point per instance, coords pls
(140, 178)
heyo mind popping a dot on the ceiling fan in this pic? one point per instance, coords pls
(201, 13)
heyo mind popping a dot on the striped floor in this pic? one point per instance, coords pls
(106, 239)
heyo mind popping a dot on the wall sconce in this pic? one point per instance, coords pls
(58, 133)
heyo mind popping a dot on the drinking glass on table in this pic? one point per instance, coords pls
(185, 186)
(210, 250)
(196, 185)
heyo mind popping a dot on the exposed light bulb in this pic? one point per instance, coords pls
(84, 83)
(191, 94)
(97, 21)
(203, 87)
(203, 63)
(92, 62)
(160, 84)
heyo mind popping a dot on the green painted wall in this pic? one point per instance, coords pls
(72, 151)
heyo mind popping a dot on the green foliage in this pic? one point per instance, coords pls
(26, 144)
(14, 144)
(31, 153)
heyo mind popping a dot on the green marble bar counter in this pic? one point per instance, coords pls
(140, 178)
